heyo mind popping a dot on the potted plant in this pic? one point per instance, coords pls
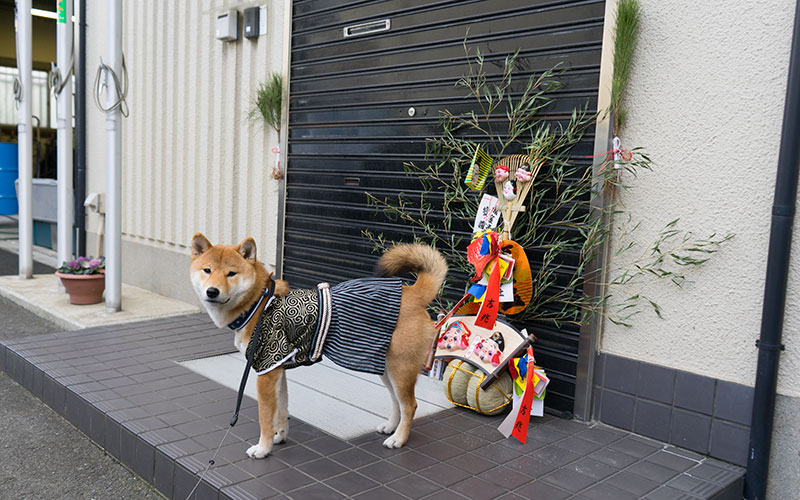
(84, 279)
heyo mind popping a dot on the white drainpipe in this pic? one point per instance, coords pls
(64, 34)
(25, 140)
(113, 159)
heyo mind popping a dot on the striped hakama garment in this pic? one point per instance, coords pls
(360, 321)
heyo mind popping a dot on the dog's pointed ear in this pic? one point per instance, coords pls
(199, 245)
(248, 249)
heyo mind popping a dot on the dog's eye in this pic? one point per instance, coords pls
(232, 274)
(207, 270)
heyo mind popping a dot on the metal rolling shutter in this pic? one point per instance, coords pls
(350, 129)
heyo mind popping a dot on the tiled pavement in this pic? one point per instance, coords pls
(121, 386)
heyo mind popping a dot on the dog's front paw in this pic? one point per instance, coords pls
(259, 451)
(280, 436)
(394, 441)
(387, 427)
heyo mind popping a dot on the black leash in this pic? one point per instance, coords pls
(265, 296)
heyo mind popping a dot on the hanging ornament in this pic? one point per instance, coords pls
(501, 173)
(522, 174)
(509, 191)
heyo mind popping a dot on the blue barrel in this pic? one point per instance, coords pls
(9, 170)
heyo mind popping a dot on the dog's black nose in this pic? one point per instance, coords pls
(212, 293)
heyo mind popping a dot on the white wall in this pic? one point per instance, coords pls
(706, 100)
(191, 159)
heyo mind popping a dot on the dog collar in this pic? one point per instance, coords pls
(248, 315)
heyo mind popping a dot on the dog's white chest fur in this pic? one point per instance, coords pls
(238, 343)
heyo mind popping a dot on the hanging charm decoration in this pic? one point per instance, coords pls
(479, 169)
(277, 173)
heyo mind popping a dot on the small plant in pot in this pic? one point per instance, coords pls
(84, 279)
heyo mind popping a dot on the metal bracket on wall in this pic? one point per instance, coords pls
(769, 347)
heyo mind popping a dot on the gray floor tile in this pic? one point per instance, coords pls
(351, 483)
(667, 493)
(354, 458)
(633, 447)
(569, 479)
(321, 469)
(412, 460)
(671, 461)
(651, 471)
(614, 458)
(554, 455)
(578, 446)
(695, 486)
(287, 480)
(604, 491)
(478, 489)
(541, 489)
(471, 462)
(592, 468)
(380, 493)
(714, 474)
(383, 472)
(506, 477)
(444, 474)
(531, 466)
(414, 486)
(632, 483)
(250, 489)
(316, 491)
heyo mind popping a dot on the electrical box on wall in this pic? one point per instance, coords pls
(251, 24)
(227, 27)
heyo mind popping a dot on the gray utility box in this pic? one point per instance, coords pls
(45, 199)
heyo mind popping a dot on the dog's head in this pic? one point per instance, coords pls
(226, 278)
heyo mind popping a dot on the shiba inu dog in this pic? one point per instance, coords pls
(296, 327)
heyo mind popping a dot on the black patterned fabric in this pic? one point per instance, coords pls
(364, 316)
(287, 329)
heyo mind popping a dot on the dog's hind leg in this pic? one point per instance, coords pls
(390, 425)
(267, 386)
(403, 379)
(281, 422)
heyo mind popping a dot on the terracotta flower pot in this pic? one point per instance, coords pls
(84, 289)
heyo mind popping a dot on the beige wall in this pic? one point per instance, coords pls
(706, 101)
(191, 159)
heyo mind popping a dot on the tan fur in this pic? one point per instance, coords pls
(211, 266)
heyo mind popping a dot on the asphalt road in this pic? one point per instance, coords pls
(42, 456)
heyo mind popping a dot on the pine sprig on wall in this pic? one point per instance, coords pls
(268, 101)
(625, 40)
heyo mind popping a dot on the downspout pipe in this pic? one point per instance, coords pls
(24, 138)
(780, 245)
(113, 228)
(80, 133)
(63, 93)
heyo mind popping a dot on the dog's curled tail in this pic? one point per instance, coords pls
(428, 263)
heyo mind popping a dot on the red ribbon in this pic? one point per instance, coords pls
(520, 430)
(487, 315)
(478, 260)
(626, 155)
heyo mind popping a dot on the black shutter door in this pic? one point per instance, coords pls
(350, 129)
